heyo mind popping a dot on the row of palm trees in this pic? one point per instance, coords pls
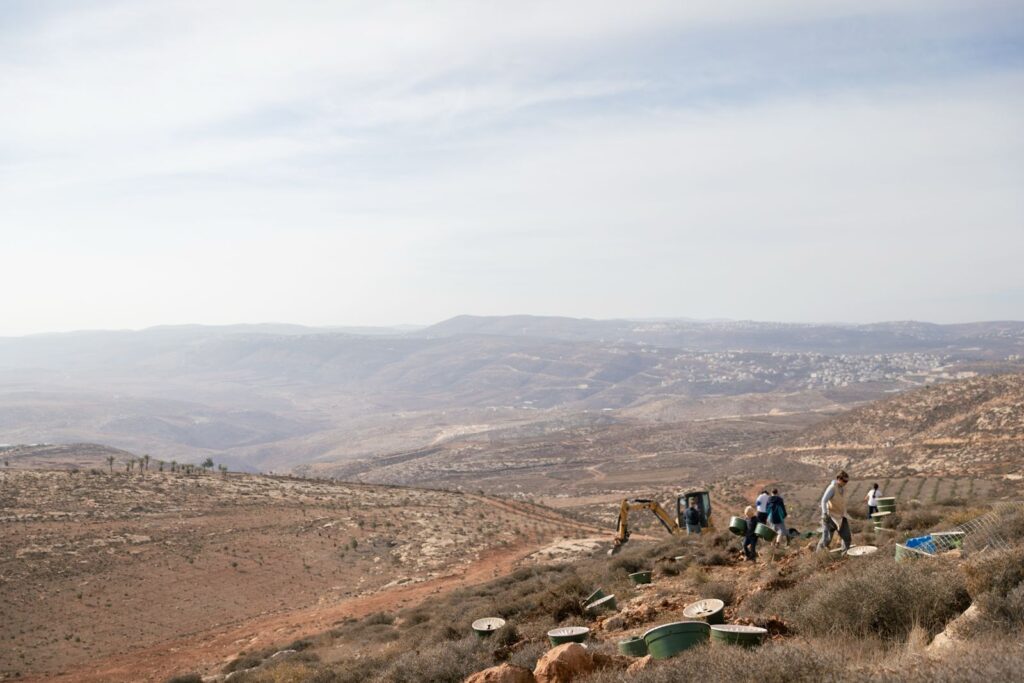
(186, 468)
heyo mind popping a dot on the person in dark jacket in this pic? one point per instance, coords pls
(692, 518)
(777, 516)
(750, 540)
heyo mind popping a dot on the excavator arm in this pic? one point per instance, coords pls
(632, 504)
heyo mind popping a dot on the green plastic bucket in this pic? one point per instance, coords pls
(601, 604)
(904, 553)
(483, 628)
(640, 577)
(568, 634)
(738, 526)
(633, 647)
(596, 595)
(887, 500)
(736, 634)
(669, 640)
(710, 610)
(765, 532)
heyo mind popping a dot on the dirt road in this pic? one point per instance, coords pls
(208, 651)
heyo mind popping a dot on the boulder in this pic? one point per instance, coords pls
(505, 673)
(616, 622)
(639, 613)
(954, 631)
(640, 664)
(603, 661)
(564, 663)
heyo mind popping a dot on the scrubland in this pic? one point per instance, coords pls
(829, 617)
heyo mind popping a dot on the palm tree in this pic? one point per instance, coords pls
(110, 463)
(145, 460)
(174, 466)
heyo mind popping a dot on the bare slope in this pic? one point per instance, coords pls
(100, 568)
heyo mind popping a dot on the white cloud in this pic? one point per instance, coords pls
(366, 162)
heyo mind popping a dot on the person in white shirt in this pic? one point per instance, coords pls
(833, 513)
(761, 504)
(872, 499)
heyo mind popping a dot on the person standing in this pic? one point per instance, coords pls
(750, 539)
(692, 518)
(777, 516)
(762, 507)
(872, 499)
(833, 512)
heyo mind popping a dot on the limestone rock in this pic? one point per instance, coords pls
(564, 663)
(615, 622)
(505, 673)
(640, 664)
(953, 632)
(603, 661)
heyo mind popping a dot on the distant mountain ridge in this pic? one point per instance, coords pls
(272, 396)
(720, 335)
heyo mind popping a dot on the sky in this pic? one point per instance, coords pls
(375, 163)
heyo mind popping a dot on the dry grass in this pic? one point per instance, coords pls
(871, 597)
(833, 660)
(868, 619)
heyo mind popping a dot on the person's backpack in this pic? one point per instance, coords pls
(776, 510)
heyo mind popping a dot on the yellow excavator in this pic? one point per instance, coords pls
(673, 526)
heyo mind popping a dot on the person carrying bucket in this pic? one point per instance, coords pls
(872, 500)
(777, 516)
(750, 539)
(762, 507)
(833, 513)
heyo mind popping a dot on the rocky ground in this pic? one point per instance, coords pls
(99, 566)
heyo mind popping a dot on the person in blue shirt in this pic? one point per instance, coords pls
(776, 508)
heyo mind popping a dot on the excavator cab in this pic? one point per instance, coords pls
(703, 500)
(673, 526)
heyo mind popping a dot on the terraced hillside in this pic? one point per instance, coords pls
(972, 427)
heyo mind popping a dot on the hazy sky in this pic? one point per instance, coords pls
(373, 162)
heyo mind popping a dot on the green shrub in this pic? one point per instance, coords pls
(998, 572)
(783, 663)
(379, 618)
(870, 597)
(714, 558)
(918, 520)
(628, 564)
(722, 590)
(450, 663)
(827, 660)
(1006, 611)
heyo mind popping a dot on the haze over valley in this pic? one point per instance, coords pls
(343, 403)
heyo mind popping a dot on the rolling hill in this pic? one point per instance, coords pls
(968, 427)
